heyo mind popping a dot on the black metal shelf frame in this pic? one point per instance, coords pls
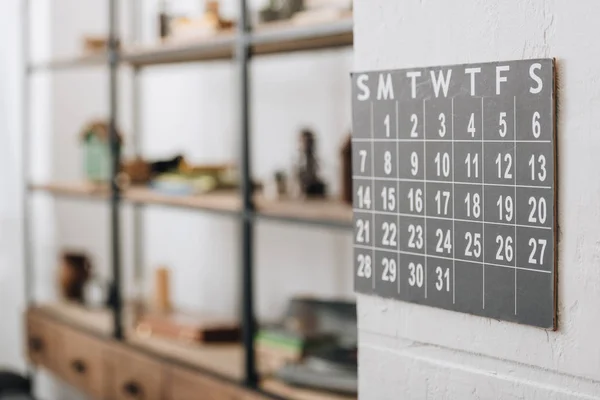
(244, 44)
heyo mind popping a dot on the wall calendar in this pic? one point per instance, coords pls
(454, 187)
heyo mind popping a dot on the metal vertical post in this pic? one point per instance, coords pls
(115, 150)
(248, 320)
(25, 143)
(138, 217)
(28, 283)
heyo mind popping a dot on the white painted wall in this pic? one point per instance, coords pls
(415, 352)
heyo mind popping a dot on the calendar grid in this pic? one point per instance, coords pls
(515, 188)
(397, 196)
(459, 211)
(483, 204)
(437, 140)
(462, 183)
(453, 219)
(458, 219)
(373, 258)
(425, 191)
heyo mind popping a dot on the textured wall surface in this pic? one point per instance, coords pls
(414, 352)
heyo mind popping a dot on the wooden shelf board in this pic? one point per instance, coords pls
(270, 38)
(322, 210)
(316, 211)
(225, 201)
(76, 189)
(98, 321)
(218, 47)
(287, 36)
(222, 201)
(279, 388)
(77, 61)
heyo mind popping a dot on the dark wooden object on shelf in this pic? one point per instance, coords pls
(307, 168)
(187, 327)
(346, 170)
(75, 271)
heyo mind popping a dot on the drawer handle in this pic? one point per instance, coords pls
(78, 366)
(36, 344)
(134, 390)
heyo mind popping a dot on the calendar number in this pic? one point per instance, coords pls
(364, 266)
(444, 243)
(415, 200)
(538, 210)
(473, 247)
(415, 122)
(536, 257)
(538, 169)
(362, 231)
(473, 203)
(364, 196)
(472, 163)
(442, 130)
(471, 127)
(414, 163)
(363, 160)
(443, 279)
(505, 248)
(387, 162)
(442, 198)
(388, 198)
(390, 231)
(390, 270)
(415, 236)
(442, 163)
(536, 129)
(502, 124)
(416, 274)
(386, 122)
(505, 208)
(504, 173)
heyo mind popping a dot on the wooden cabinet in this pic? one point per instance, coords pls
(186, 385)
(43, 341)
(110, 370)
(134, 376)
(82, 363)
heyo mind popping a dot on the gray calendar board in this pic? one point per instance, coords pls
(454, 188)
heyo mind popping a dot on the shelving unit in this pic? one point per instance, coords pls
(236, 363)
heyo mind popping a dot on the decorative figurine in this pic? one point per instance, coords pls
(94, 44)
(280, 9)
(321, 11)
(346, 173)
(75, 271)
(163, 20)
(97, 157)
(306, 170)
(137, 171)
(208, 24)
(162, 290)
(276, 187)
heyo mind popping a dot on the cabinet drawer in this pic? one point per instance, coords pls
(134, 376)
(186, 385)
(83, 362)
(43, 341)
